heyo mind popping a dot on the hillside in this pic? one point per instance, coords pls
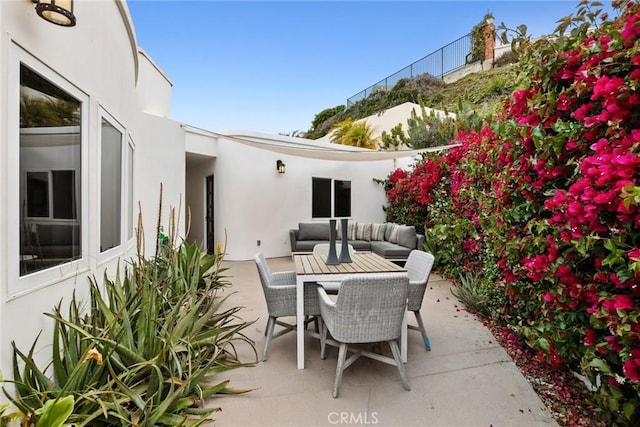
(482, 92)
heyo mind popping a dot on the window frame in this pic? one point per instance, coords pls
(130, 164)
(17, 284)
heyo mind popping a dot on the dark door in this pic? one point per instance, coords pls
(211, 246)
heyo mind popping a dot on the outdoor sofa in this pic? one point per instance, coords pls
(391, 241)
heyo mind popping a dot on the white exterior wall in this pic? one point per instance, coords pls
(160, 159)
(254, 202)
(154, 87)
(98, 60)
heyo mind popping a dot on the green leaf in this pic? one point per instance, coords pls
(600, 365)
(628, 409)
(55, 412)
(543, 344)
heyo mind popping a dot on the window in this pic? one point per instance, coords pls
(321, 205)
(110, 186)
(50, 168)
(330, 200)
(342, 198)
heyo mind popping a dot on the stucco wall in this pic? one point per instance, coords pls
(254, 202)
(160, 159)
(96, 58)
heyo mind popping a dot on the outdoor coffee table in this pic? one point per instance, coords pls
(312, 268)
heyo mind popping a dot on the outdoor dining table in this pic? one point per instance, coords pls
(313, 268)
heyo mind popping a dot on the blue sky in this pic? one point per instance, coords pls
(271, 66)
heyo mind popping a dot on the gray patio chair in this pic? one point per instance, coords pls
(418, 267)
(280, 294)
(322, 249)
(368, 309)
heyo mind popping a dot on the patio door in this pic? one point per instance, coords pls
(211, 245)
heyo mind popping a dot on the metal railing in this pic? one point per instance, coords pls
(438, 64)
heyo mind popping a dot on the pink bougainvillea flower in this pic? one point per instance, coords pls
(623, 302)
(631, 370)
(634, 255)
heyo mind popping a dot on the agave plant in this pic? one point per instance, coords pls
(147, 351)
(468, 293)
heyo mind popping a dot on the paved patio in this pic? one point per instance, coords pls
(467, 379)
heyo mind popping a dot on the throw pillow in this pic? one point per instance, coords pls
(351, 230)
(377, 231)
(363, 231)
(393, 236)
(388, 229)
(407, 236)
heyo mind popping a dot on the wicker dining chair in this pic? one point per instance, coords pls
(280, 294)
(418, 266)
(369, 309)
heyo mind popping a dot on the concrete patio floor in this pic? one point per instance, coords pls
(467, 379)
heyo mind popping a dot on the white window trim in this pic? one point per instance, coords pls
(130, 193)
(20, 285)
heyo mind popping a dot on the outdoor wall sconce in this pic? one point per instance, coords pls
(280, 166)
(59, 12)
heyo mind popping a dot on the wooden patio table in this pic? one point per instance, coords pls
(312, 268)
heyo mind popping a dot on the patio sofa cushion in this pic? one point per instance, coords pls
(360, 245)
(307, 235)
(313, 231)
(390, 250)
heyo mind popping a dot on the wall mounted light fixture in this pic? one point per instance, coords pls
(280, 166)
(59, 12)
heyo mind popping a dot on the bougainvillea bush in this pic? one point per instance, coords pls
(542, 205)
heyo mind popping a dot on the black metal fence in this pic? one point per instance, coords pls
(438, 64)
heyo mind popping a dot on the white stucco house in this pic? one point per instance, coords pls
(87, 140)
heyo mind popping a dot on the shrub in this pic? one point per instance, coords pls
(147, 352)
(543, 203)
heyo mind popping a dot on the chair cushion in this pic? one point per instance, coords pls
(313, 231)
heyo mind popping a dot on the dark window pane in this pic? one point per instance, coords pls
(64, 190)
(37, 194)
(321, 205)
(342, 201)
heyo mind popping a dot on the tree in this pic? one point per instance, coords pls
(355, 134)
